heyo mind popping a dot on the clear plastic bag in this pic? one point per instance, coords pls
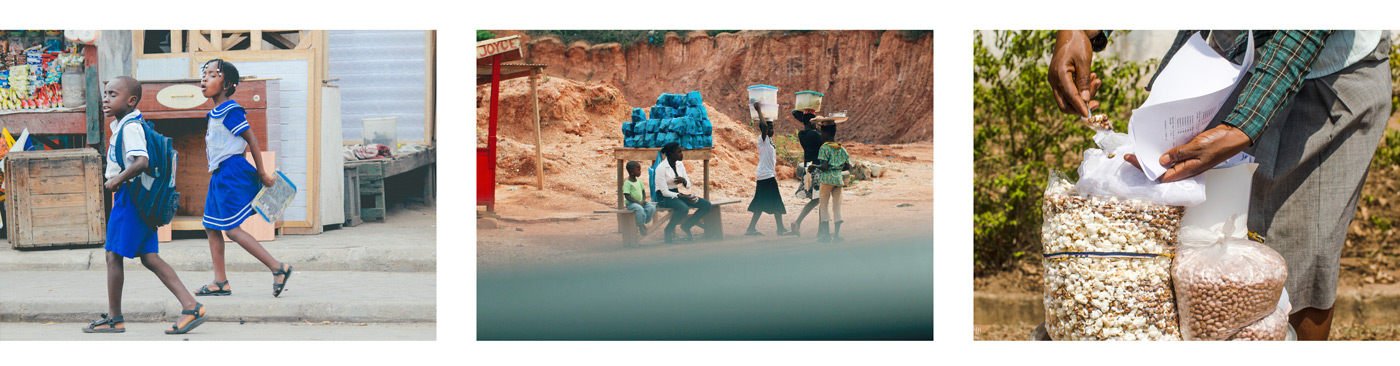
(1107, 266)
(1225, 283)
(1272, 328)
(1104, 172)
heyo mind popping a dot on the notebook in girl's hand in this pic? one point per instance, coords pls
(272, 201)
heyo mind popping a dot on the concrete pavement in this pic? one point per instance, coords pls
(405, 242)
(315, 296)
(226, 332)
(374, 273)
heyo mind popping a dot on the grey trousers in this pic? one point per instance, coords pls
(1313, 159)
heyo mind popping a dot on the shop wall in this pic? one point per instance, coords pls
(114, 56)
(163, 68)
(381, 75)
(286, 114)
(286, 125)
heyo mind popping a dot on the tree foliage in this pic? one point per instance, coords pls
(1020, 135)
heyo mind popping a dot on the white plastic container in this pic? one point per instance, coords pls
(808, 99)
(767, 97)
(383, 131)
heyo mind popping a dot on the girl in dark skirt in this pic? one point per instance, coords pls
(766, 198)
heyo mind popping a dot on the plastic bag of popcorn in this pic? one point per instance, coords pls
(1107, 265)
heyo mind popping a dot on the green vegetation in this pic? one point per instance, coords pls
(627, 38)
(789, 150)
(1020, 135)
(910, 35)
(482, 35)
(1388, 154)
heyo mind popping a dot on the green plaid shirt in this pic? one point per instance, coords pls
(1281, 60)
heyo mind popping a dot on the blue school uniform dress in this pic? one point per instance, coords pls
(234, 183)
(127, 234)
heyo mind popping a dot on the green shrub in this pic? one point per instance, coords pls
(1388, 154)
(789, 150)
(482, 35)
(627, 38)
(1020, 135)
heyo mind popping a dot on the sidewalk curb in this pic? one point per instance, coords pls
(184, 258)
(1366, 305)
(266, 311)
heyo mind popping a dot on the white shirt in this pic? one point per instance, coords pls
(221, 140)
(134, 143)
(666, 178)
(767, 158)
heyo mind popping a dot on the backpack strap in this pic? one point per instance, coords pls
(121, 154)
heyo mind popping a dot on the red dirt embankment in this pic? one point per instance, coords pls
(883, 79)
(580, 125)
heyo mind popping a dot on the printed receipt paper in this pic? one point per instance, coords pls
(1184, 98)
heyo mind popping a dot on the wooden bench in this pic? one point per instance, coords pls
(713, 223)
(370, 175)
(627, 221)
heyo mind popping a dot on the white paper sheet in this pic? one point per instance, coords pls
(1187, 94)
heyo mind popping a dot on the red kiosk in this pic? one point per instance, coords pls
(491, 68)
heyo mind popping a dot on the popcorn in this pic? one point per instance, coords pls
(1122, 293)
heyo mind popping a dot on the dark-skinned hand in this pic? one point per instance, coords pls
(1070, 72)
(1205, 151)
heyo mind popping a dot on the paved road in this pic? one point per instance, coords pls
(79, 296)
(819, 291)
(226, 331)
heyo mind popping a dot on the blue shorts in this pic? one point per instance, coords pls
(127, 234)
(231, 191)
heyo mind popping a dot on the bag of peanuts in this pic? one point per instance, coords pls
(1224, 282)
(1107, 262)
(1272, 328)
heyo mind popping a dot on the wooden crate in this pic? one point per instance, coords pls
(371, 189)
(352, 196)
(54, 198)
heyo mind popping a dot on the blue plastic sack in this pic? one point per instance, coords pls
(694, 99)
(638, 115)
(627, 129)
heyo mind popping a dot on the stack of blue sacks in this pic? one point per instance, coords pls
(675, 118)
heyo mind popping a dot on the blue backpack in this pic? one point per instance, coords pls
(156, 205)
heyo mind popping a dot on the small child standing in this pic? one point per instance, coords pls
(766, 198)
(234, 183)
(635, 192)
(832, 160)
(127, 234)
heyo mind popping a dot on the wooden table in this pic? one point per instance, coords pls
(626, 219)
(640, 154)
(371, 176)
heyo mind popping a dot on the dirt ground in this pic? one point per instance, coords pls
(550, 227)
(581, 124)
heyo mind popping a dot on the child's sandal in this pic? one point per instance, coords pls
(204, 291)
(111, 325)
(198, 319)
(287, 275)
